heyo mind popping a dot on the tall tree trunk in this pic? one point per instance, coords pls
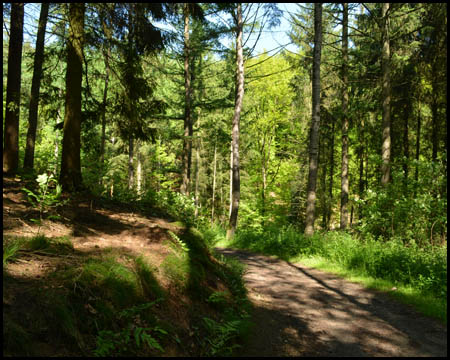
(416, 175)
(315, 123)
(28, 161)
(12, 111)
(236, 194)
(138, 169)
(386, 68)
(197, 174)
(105, 96)
(361, 164)
(330, 202)
(130, 162)
(187, 141)
(231, 179)
(406, 145)
(70, 177)
(214, 181)
(344, 174)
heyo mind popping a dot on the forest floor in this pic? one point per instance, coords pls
(297, 311)
(300, 311)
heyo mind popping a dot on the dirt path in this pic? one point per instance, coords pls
(299, 311)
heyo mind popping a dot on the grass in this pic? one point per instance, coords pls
(418, 274)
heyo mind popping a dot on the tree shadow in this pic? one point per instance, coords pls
(346, 319)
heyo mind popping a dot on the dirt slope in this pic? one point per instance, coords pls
(299, 311)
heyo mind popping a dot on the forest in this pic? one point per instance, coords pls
(333, 155)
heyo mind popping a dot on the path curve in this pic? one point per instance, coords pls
(300, 311)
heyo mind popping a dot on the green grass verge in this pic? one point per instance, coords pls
(419, 274)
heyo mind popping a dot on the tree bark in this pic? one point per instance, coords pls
(12, 111)
(315, 123)
(330, 202)
(416, 175)
(386, 68)
(214, 182)
(70, 177)
(130, 162)
(28, 162)
(187, 141)
(344, 174)
(236, 190)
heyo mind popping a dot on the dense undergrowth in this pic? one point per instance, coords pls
(418, 273)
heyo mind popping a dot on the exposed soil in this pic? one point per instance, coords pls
(299, 311)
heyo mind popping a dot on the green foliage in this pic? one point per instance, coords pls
(395, 212)
(48, 195)
(221, 335)
(134, 336)
(11, 246)
(424, 268)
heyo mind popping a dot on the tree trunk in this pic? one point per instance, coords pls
(130, 162)
(416, 175)
(361, 164)
(315, 123)
(386, 68)
(35, 86)
(236, 192)
(344, 174)
(70, 177)
(187, 141)
(12, 111)
(330, 202)
(197, 175)
(406, 145)
(214, 182)
(139, 169)
(105, 95)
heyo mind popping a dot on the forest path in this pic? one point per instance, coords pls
(299, 311)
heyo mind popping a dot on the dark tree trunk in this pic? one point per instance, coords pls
(35, 86)
(12, 111)
(406, 145)
(386, 68)
(344, 173)
(70, 177)
(315, 123)
(236, 183)
(187, 141)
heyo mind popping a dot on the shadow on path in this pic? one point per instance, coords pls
(300, 311)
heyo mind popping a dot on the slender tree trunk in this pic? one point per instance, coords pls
(138, 168)
(197, 175)
(330, 203)
(235, 124)
(187, 141)
(70, 177)
(105, 96)
(214, 181)
(406, 145)
(386, 68)
(344, 174)
(361, 164)
(35, 86)
(231, 179)
(315, 123)
(416, 175)
(130, 162)
(12, 111)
